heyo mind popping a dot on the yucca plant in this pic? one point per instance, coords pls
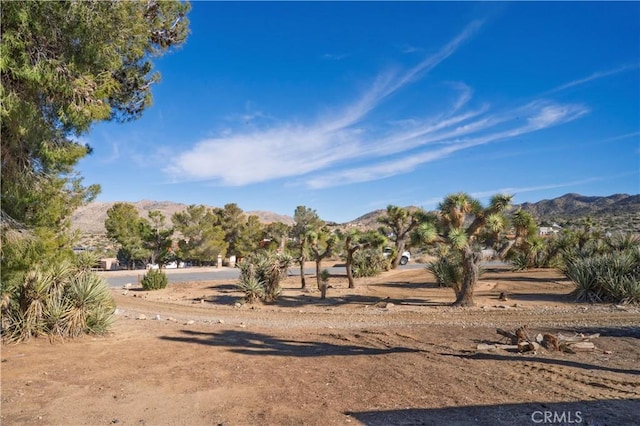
(33, 303)
(266, 269)
(582, 272)
(86, 260)
(519, 261)
(252, 288)
(448, 271)
(59, 301)
(90, 305)
(55, 314)
(610, 277)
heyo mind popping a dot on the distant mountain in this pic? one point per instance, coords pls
(614, 212)
(618, 212)
(90, 219)
(580, 205)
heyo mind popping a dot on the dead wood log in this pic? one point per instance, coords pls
(550, 342)
(528, 347)
(488, 347)
(521, 341)
(573, 347)
(523, 334)
(577, 337)
(507, 334)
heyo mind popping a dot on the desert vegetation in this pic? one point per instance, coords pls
(59, 300)
(49, 289)
(261, 274)
(65, 66)
(155, 279)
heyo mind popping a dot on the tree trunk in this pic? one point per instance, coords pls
(502, 253)
(400, 245)
(318, 264)
(470, 261)
(302, 280)
(349, 270)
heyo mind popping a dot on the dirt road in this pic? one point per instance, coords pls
(390, 352)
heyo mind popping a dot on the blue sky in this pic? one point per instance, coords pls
(349, 107)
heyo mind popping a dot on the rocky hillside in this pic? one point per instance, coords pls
(580, 205)
(615, 212)
(90, 218)
(618, 212)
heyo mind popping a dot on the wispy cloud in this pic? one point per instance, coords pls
(537, 116)
(335, 56)
(621, 137)
(346, 147)
(411, 49)
(594, 76)
(521, 190)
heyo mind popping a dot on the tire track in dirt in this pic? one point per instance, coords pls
(582, 383)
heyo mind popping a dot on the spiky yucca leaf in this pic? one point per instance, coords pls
(448, 271)
(496, 222)
(458, 238)
(86, 260)
(87, 293)
(33, 303)
(252, 288)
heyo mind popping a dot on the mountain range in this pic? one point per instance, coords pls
(618, 211)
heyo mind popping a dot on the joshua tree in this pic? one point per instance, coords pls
(355, 240)
(321, 244)
(461, 219)
(397, 225)
(307, 221)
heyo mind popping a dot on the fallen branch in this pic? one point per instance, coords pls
(521, 341)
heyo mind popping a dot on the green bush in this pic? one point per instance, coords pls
(155, 279)
(62, 300)
(369, 263)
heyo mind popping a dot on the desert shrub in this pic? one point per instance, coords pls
(620, 241)
(155, 279)
(89, 305)
(265, 270)
(62, 300)
(447, 270)
(608, 277)
(252, 288)
(518, 260)
(369, 263)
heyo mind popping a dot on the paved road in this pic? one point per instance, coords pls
(120, 278)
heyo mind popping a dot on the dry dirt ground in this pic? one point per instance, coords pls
(390, 352)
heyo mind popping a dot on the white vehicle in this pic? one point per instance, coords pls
(404, 258)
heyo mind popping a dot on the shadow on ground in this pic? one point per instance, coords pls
(551, 361)
(604, 412)
(248, 343)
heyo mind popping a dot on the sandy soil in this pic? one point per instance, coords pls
(390, 352)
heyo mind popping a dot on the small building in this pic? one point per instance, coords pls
(109, 264)
(554, 229)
